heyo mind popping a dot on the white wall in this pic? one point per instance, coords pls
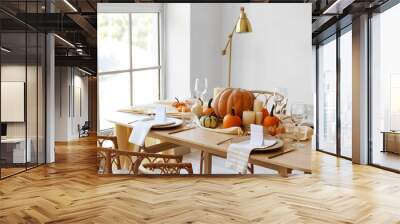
(177, 50)
(278, 53)
(205, 53)
(61, 103)
(67, 115)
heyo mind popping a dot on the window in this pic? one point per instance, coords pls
(385, 89)
(129, 60)
(394, 102)
(346, 94)
(327, 96)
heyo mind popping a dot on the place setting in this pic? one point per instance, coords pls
(239, 149)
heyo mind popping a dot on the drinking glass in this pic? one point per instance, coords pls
(196, 88)
(298, 114)
(204, 92)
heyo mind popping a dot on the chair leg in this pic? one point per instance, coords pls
(201, 162)
(251, 168)
(118, 163)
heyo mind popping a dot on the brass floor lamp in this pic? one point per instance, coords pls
(242, 26)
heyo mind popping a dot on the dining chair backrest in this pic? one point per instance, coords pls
(267, 97)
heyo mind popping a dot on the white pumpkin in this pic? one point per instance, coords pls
(197, 108)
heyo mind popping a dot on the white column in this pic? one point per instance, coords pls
(50, 99)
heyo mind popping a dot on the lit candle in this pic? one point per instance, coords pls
(259, 117)
(217, 90)
(248, 117)
(258, 105)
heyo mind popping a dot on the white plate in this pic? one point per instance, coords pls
(171, 123)
(279, 143)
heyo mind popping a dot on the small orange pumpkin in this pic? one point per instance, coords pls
(271, 120)
(178, 103)
(208, 110)
(231, 120)
(183, 108)
(276, 130)
(264, 112)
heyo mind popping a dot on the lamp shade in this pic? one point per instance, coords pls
(243, 25)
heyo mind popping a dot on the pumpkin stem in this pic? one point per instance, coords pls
(209, 102)
(233, 112)
(177, 100)
(272, 110)
(201, 101)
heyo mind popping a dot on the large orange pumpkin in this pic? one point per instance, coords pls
(237, 99)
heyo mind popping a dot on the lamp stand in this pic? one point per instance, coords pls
(230, 61)
(228, 47)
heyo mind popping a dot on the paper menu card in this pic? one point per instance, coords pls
(160, 116)
(256, 135)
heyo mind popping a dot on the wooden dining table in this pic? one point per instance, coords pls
(216, 144)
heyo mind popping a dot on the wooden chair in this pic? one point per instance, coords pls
(83, 130)
(146, 161)
(101, 140)
(280, 107)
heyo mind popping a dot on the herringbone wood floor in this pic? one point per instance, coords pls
(71, 192)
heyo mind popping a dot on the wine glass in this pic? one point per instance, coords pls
(204, 92)
(298, 114)
(196, 88)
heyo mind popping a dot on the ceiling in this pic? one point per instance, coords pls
(76, 22)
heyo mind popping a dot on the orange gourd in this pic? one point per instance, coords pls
(271, 120)
(276, 130)
(231, 98)
(208, 110)
(231, 120)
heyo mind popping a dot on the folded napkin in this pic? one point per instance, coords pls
(238, 154)
(139, 132)
(302, 133)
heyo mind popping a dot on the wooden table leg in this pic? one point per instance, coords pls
(201, 162)
(207, 163)
(123, 134)
(284, 172)
(108, 164)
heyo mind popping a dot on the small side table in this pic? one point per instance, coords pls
(391, 141)
(13, 150)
